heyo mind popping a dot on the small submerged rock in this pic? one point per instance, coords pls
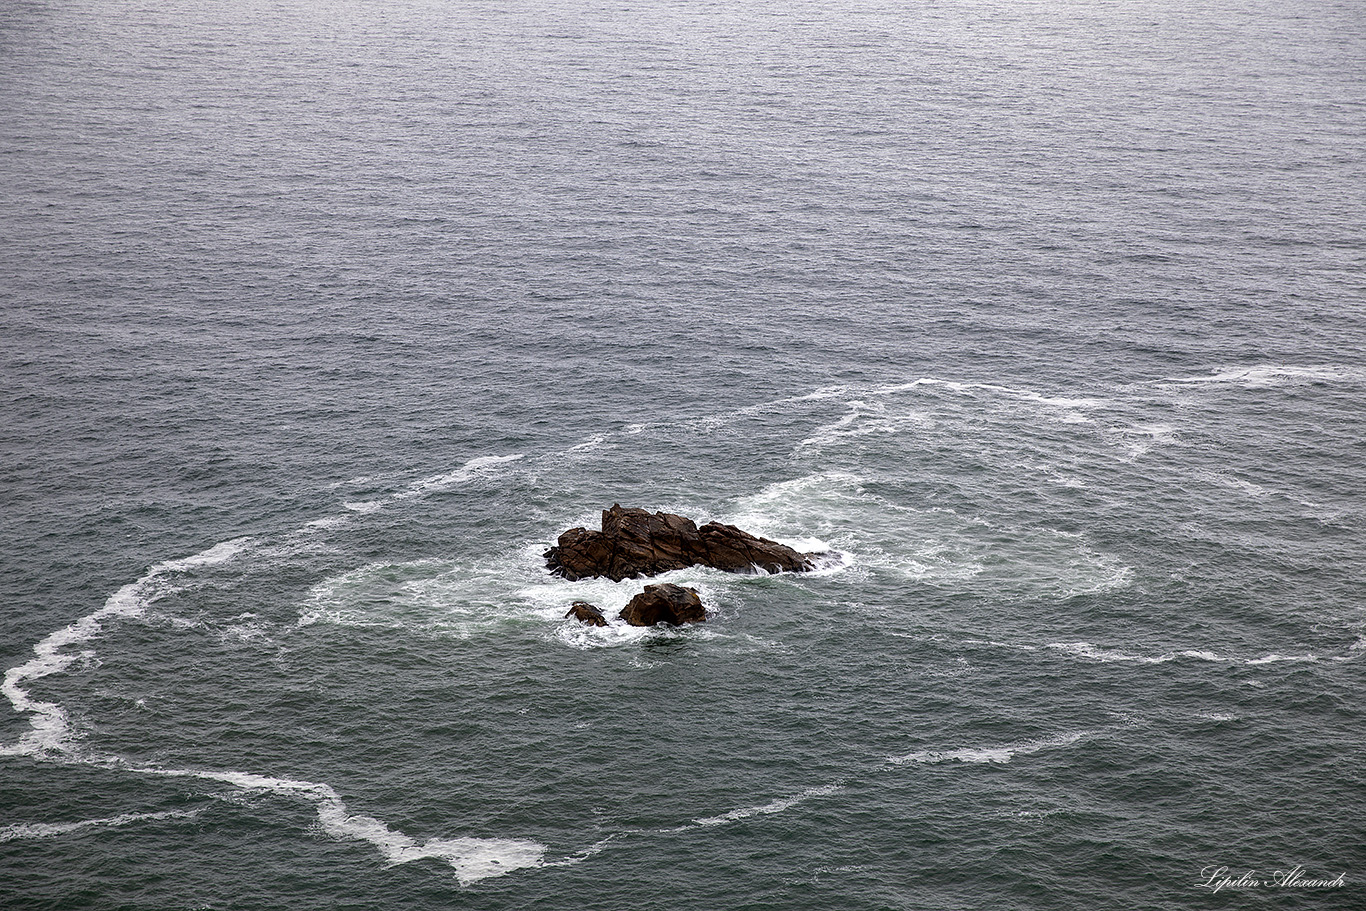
(664, 603)
(634, 543)
(587, 613)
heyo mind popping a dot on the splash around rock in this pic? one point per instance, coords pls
(635, 543)
(587, 613)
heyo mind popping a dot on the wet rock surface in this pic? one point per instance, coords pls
(635, 542)
(664, 603)
(587, 613)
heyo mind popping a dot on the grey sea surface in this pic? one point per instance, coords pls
(320, 322)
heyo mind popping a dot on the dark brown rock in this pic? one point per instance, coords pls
(587, 613)
(635, 543)
(664, 603)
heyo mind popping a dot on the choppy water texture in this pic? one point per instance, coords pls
(320, 322)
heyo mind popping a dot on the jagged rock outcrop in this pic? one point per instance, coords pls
(664, 603)
(584, 612)
(635, 543)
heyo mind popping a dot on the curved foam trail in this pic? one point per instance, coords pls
(580, 856)
(593, 443)
(1274, 659)
(49, 729)
(775, 806)
(462, 474)
(1277, 375)
(472, 859)
(54, 829)
(419, 488)
(1024, 394)
(988, 754)
(1105, 656)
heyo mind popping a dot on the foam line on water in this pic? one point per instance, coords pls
(49, 727)
(471, 469)
(767, 809)
(992, 754)
(1027, 395)
(475, 467)
(1093, 653)
(579, 857)
(1270, 375)
(55, 829)
(878, 410)
(589, 444)
(472, 859)
(1089, 652)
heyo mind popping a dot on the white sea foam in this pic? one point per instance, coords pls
(936, 546)
(1105, 656)
(1226, 480)
(458, 600)
(55, 829)
(1138, 440)
(585, 446)
(349, 483)
(864, 419)
(988, 754)
(775, 806)
(1264, 375)
(580, 856)
(472, 858)
(1202, 656)
(364, 506)
(825, 392)
(421, 596)
(250, 629)
(471, 469)
(50, 730)
(1068, 403)
(1275, 659)
(551, 600)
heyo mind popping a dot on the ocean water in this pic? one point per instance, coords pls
(320, 322)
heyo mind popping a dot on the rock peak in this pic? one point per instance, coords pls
(634, 542)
